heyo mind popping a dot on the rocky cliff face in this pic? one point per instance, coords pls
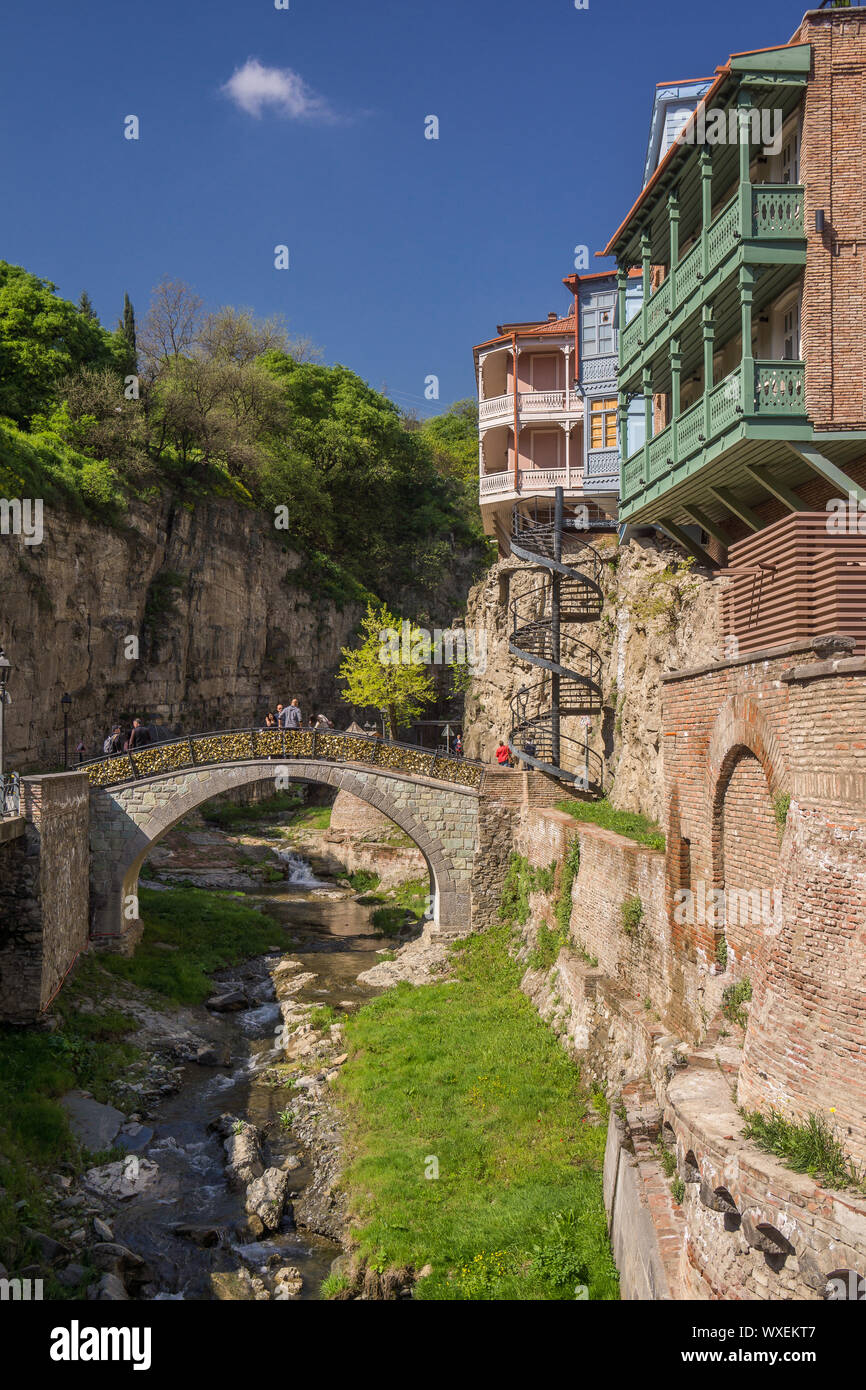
(659, 614)
(212, 595)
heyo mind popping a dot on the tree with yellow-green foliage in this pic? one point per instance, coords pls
(385, 670)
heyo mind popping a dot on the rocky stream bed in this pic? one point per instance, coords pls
(227, 1187)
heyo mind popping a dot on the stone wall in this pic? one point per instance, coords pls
(357, 817)
(43, 894)
(235, 635)
(748, 1227)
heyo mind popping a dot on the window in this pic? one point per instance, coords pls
(597, 326)
(602, 424)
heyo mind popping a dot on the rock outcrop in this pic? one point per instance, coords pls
(214, 597)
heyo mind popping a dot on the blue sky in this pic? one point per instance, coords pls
(404, 251)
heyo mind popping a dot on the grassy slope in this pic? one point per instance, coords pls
(209, 931)
(466, 1071)
(629, 823)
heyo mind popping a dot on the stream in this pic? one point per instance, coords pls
(320, 926)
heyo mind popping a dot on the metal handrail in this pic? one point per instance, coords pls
(532, 640)
(10, 794)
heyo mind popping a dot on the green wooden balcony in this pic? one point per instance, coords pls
(759, 217)
(759, 399)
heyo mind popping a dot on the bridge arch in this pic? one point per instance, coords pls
(127, 820)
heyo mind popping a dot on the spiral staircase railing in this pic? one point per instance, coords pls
(569, 669)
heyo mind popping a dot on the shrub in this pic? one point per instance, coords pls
(678, 1191)
(364, 880)
(514, 903)
(733, 999)
(631, 914)
(781, 807)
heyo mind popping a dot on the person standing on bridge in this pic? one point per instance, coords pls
(140, 736)
(291, 716)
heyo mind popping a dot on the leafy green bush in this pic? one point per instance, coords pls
(631, 914)
(733, 999)
(364, 880)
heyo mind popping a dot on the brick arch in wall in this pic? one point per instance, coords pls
(745, 770)
(127, 821)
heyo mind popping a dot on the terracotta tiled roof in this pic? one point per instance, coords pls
(553, 326)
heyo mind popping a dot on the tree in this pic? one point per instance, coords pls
(127, 323)
(172, 325)
(85, 307)
(43, 338)
(386, 670)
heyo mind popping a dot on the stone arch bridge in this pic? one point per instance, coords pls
(138, 797)
(69, 862)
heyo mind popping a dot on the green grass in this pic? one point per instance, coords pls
(210, 930)
(312, 818)
(629, 823)
(466, 1073)
(812, 1146)
(228, 814)
(363, 880)
(322, 1016)
(399, 906)
(88, 1051)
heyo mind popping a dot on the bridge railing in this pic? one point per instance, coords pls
(10, 794)
(245, 745)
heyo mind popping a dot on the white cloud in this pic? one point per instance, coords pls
(254, 87)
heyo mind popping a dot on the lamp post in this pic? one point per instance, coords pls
(384, 714)
(66, 701)
(5, 668)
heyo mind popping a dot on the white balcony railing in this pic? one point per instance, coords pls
(530, 480)
(531, 403)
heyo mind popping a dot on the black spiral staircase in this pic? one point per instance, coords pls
(569, 680)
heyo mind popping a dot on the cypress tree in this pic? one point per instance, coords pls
(85, 307)
(127, 327)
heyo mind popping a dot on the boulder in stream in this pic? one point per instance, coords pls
(125, 1178)
(244, 1163)
(266, 1197)
(229, 1002)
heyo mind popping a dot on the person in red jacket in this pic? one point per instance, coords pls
(503, 757)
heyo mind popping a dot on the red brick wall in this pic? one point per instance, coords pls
(750, 858)
(803, 722)
(833, 170)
